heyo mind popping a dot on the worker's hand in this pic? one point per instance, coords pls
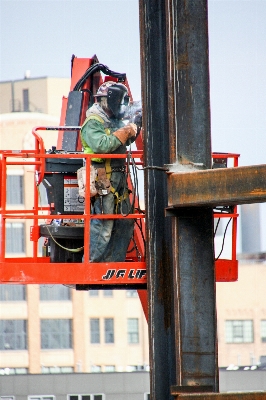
(126, 132)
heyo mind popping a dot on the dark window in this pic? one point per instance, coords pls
(133, 330)
(26, 103)
(239, 331)
(15, 237)
(93, 293)
(54, 293)
(13, 334)
(12, 292)
(109, 330)
(263, 331)
(95, 330)
(15, 189)
(56, 334)
(108, 293)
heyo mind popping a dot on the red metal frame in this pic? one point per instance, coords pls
(227, 270)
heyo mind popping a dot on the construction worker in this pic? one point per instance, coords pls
(104, 132)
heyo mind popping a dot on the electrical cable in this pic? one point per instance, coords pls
(134, 169)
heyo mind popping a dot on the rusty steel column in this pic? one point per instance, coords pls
(189, 116)
(158, 228)
(180, 250)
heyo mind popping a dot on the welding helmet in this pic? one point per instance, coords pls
(116, 95)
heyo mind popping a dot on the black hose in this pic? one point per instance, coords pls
(95, 68)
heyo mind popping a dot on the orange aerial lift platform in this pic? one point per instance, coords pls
(66, 258)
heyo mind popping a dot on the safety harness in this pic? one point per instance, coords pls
(103, 183)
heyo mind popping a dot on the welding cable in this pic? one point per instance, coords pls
(223, 239)
(132, 174)
(128, 175)
(135, 183)
(138, 223)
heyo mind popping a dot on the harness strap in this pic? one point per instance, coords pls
(107, 161)
(119, 199)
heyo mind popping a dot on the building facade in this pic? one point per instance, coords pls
(55, 329)
(41, 95)
(241, 315)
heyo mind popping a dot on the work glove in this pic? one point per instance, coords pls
(126, 132)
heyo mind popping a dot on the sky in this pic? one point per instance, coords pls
(42, 35)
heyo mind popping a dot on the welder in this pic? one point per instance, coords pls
(104, 132)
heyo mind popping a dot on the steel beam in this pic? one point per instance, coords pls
(214, 187)
(189, 111)
(180, 257)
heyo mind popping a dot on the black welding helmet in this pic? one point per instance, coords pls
(117, 97)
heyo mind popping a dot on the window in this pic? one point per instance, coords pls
(15, 237)
(13, 371)
(54, 293)
(133, 330)
(86, 397)
(96, 368)
(108, 293)
(57, 370)
(12, 292)
(109, 330)
(131, 368)
(263, 330)
(41, 397)
(109, 368)
(7, 398)
(26, 103)
(95, 330)
(131, 293)
(13, 334)
(93, 293)
(239, 331)
(15, 189)
(56, 334)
